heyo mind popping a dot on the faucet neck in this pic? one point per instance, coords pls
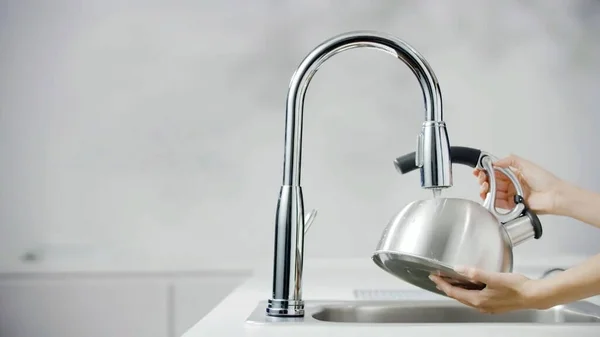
(300, 80)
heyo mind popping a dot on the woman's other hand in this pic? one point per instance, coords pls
(504, 292)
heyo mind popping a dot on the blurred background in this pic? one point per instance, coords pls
(141, 142)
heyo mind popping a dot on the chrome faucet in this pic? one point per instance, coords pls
(432, 157)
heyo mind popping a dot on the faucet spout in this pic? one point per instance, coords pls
(432, 156)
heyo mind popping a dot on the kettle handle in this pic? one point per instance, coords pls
(520, 208)
(490, 199)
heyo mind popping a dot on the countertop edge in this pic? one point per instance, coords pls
(191, 265)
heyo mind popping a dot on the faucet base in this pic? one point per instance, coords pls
(285, 308)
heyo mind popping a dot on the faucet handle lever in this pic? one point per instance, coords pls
(419, 152)
(309, 220)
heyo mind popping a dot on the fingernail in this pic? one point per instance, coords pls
(460, 269)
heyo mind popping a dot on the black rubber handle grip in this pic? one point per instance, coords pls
(536, 223)
(406, 163)
(465, 155)
(535, 220)
(458, 155)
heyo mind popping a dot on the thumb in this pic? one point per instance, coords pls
(510, 161)
(474, 274)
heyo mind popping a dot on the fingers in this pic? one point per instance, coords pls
(503, 195)
(474, 274)
(504, 188)
(477, 299)
(502, 181)
(492, 279)
(510, 161)
(500, 177)
(502, 203)
(466, 297)
(483, 190)
(504, 199)
(481, 177)
(503, 185)
(501, 293)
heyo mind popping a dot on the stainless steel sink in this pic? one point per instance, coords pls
(428, 312)
(447, 312)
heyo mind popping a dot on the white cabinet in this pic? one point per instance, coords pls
(64, 307)
(109, 305)
(195, 297)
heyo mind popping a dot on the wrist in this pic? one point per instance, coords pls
(563, 196)
(538, 294)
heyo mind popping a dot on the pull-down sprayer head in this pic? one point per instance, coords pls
(432, 157)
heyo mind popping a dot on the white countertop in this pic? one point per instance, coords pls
(337, 280)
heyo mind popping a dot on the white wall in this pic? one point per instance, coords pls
(158, 126)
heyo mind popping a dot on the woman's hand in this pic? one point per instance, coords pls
(503, 292)
(539, 186)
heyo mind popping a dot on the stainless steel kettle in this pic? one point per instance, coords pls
(438, 234)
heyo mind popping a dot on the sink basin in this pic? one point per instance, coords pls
(426, 312)
(447, 312)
